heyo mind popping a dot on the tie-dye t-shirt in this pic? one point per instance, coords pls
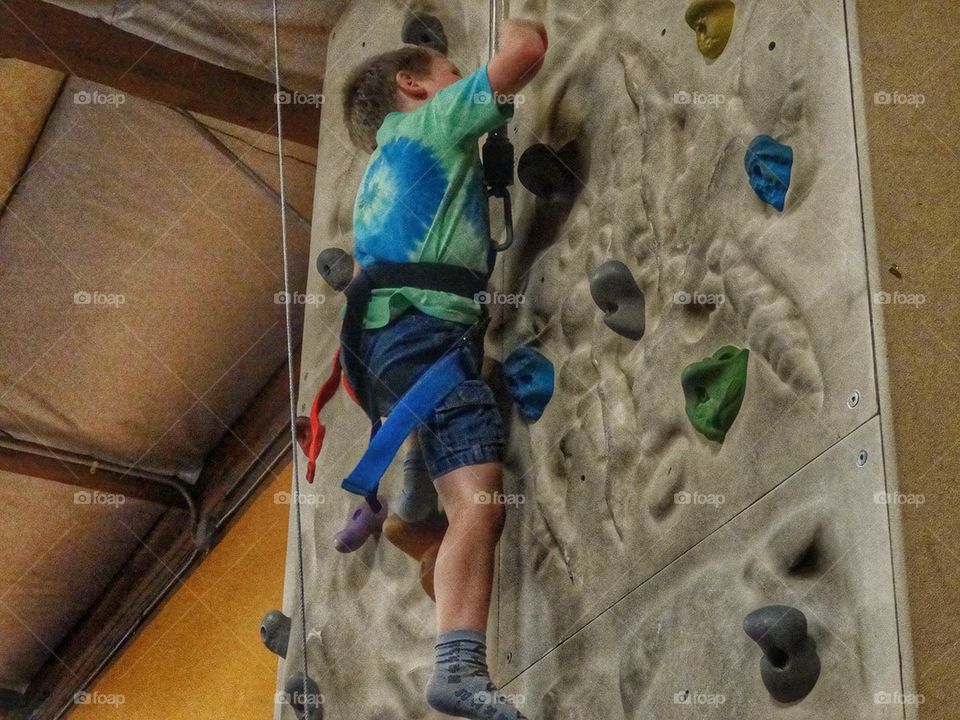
(423, 198)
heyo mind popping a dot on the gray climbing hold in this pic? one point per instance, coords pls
(275, 632)
(546, 174)
(336, 268)
(620, 298)
(790, 665)
(426, 31)
(304, 697)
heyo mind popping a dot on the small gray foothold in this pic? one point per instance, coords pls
(336, 268)
(790, 665)
(275, 632)
(426, 31)
(620, 298)
(306, 707)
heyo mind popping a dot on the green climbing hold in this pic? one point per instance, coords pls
(714, 389)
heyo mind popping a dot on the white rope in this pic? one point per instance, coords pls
(290, 364)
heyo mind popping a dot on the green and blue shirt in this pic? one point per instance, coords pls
(423, 198)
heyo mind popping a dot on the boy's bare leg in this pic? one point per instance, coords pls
(464, 571)
(460, 685)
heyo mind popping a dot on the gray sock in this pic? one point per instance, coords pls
(461, 685)
(418, 497)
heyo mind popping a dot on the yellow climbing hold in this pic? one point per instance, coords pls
(712, 20)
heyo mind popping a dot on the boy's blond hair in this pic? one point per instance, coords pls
(370, 93)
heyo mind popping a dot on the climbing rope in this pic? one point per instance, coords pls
(290, 364)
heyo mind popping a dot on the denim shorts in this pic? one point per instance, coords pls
(467, 427)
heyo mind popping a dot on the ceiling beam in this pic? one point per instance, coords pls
(258, 442)
(52, 36)
(23, 458)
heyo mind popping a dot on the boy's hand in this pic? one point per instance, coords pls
(523, 44)
(518, 25)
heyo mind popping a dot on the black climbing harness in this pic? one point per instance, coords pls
(438, 277)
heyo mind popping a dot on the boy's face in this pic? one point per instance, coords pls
(416, 90)
(443, 73)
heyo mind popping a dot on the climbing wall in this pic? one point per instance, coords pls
(650, 516)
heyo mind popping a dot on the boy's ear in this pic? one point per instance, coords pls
(411, 86)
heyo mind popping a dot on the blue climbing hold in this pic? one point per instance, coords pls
(529, 378)
(769, 165)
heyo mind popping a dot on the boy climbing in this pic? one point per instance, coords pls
(423, 200)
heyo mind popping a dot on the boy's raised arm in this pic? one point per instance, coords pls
(523, 44)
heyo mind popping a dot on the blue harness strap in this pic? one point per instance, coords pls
(410, 411)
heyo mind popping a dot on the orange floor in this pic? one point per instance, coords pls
(201, 657)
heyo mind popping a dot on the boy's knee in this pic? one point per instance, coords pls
(485, 513)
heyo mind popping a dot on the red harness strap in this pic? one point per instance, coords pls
(317, 430)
